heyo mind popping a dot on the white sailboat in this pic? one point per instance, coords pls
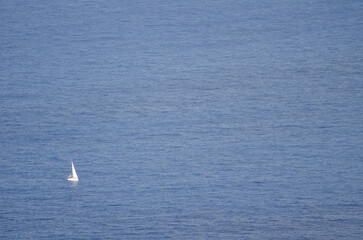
(73, 177)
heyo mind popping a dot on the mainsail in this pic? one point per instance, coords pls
(74, 173)
(73, 176)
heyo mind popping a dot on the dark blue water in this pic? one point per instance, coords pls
(185, 119)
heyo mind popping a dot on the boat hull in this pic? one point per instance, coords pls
(73, 179)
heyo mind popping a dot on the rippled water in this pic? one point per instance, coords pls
(185, 120)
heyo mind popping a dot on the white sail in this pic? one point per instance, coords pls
(74, 173)
(73, 176)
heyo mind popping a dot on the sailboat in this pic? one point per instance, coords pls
(73, 177)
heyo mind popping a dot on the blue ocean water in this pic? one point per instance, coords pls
(185, 119)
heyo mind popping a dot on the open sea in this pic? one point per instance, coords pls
(184, 119)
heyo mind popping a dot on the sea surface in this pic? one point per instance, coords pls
(184, 119)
